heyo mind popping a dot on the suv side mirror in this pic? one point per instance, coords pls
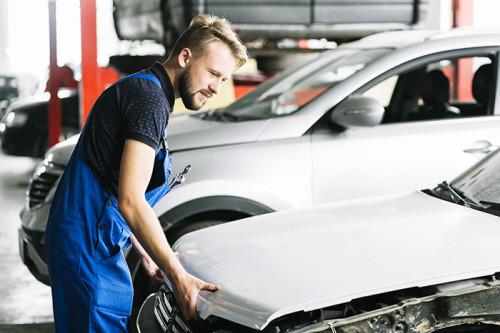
(359, 111)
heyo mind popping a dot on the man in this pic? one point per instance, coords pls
(118, 171)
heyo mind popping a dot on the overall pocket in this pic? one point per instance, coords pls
(63, 246)
(114, 290)
(112, 232)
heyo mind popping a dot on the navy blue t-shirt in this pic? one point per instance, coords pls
(135, 108)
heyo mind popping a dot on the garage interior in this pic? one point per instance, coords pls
(25, 302)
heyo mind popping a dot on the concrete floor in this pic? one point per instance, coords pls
(25, 303)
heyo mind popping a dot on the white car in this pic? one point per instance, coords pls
(421, 261)
(354, 122)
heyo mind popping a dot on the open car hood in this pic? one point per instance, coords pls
(276, 264)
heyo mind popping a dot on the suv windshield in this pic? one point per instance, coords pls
(294, 88)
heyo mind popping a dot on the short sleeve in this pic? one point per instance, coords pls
(145, 117)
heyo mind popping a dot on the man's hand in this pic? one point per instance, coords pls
(186, 290)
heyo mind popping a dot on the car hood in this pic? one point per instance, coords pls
(276, 264)
(27, 102)
(60, 153)
(188, 131)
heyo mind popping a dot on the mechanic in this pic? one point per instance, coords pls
(118, 171)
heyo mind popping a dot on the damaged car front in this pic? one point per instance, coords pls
(423, 261)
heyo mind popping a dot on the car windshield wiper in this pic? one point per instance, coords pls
(458, 198)
(227, 117)
(216, 115)
(490, 204)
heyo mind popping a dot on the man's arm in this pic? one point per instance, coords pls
(135, 172)
(152, 270)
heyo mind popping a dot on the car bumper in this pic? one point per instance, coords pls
(32, 253)
(146, 320)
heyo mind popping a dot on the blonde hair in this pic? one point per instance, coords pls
(205, 29)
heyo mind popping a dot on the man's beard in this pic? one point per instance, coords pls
(185, 87)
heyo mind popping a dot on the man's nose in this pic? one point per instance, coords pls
(215, 86)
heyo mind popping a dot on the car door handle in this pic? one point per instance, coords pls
(481, 147)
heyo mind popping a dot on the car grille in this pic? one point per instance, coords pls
(44, 178)
(168, 314)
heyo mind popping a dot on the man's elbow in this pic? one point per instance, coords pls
(128, 207)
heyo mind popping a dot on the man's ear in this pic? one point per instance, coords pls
(184, 57)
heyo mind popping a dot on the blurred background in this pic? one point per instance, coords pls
(43, 43)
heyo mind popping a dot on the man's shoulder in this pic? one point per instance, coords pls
(140, 87)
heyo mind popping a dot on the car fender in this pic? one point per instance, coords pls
(216, 195)
(242, 206)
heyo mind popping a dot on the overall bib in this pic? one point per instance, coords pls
(91, 284)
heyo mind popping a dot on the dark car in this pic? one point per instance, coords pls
(24, 128)
(8, 91)
(8, 87)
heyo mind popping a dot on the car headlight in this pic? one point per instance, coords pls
(14, 119)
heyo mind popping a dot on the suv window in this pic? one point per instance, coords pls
(447, 88)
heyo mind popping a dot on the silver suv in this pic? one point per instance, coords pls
(354, 122)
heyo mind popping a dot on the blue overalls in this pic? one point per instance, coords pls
(91, 284)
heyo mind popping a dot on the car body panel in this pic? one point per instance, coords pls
(425, 145)
(258, 262)
(228, 178)
(61, 152)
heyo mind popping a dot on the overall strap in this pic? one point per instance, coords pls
(145, 76)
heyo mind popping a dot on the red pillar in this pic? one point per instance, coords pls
(462, 13)
(463, 17)
(89, 86)
(94, 79)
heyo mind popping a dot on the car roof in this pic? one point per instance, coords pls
(399, 39)
(40, 99)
